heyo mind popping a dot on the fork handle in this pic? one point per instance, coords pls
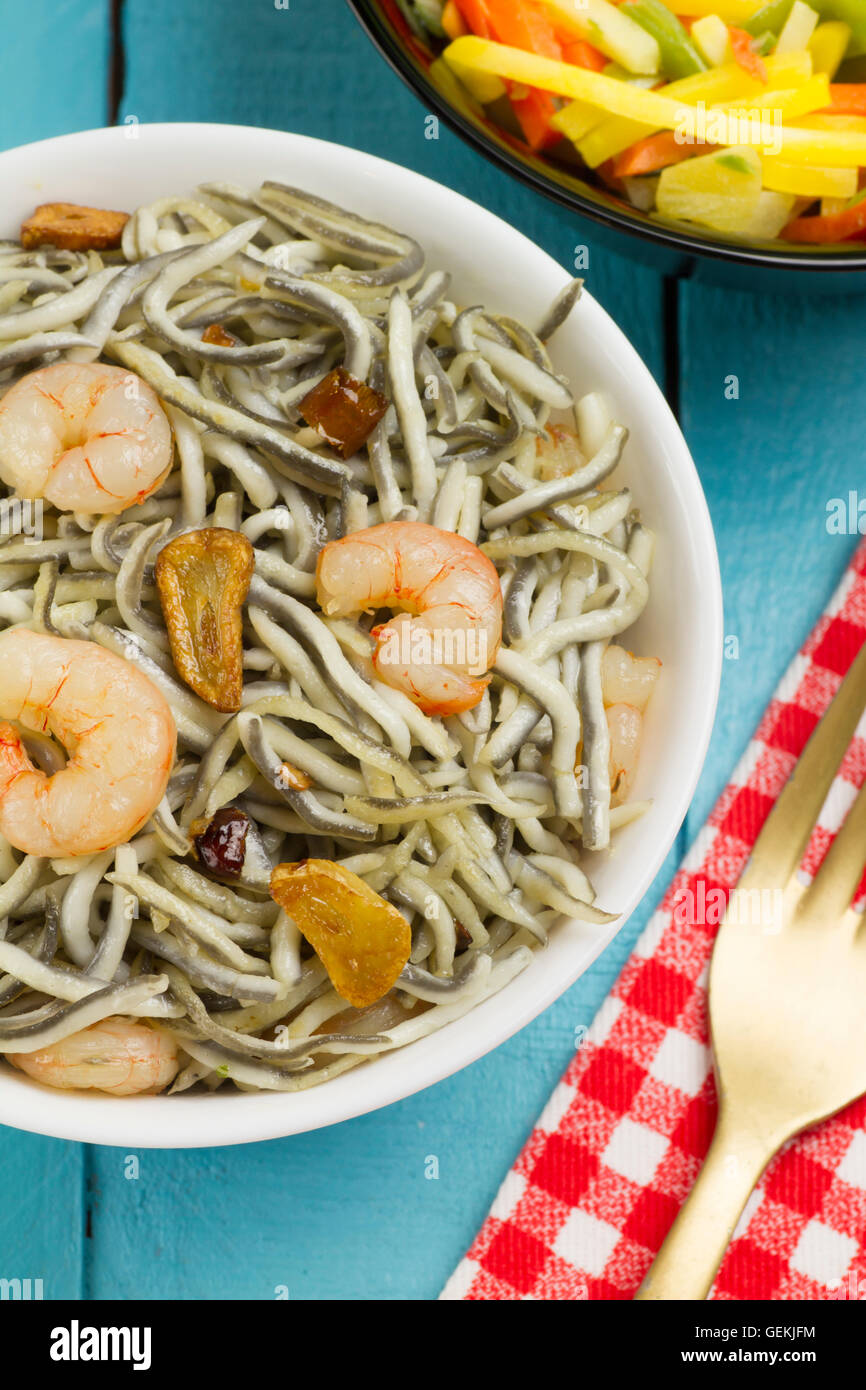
(687, 1263)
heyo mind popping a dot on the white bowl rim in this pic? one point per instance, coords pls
(204, 1121)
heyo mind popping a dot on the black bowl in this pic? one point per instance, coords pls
(687, 252)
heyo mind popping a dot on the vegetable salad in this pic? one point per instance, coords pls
(743, 118)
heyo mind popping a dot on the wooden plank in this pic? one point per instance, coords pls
(311, 69)
(54, 63)
(42, 1216)
(54, 77)
(345, 1213)
(771, 460)
(348, 1213)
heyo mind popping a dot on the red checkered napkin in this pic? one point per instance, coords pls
(588, 1202)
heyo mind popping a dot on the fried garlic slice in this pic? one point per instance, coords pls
(73, 228)
(203, 578)
(362, 940)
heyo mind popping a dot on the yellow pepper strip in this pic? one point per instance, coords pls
(806, 181)
(577, 119)
(719, 86)
(791, 103)
(836, 148)
(732, 11)
(618, 132)
(603, 142)
(711, 37)
(452, 21)
(828, 46)
(856, 124)
(464, 87)
(481, 85)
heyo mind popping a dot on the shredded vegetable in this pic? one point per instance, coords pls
(645, 86)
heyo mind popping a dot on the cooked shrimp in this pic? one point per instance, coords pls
(627, 679)
(558, 453)
(627, 682)
(111, 719)
(85, 436)
(437, 655)
(625, 724)
(117, 1055)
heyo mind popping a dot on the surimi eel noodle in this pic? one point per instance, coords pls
(364, 560)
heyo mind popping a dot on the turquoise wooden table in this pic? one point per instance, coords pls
(348, 1213)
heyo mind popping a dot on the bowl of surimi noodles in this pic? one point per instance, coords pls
(360, 633)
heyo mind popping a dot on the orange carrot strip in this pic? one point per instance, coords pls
(836, 226)
(847, 99)
(475, 16)
(523, 26)
(582, 54)
(535, 111)
(651, 154)
(745, 55)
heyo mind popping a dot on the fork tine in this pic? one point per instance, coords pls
(836, 881)
(783, 839)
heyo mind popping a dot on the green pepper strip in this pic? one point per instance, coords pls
(852, 12)
(773, 17)
(679, 56)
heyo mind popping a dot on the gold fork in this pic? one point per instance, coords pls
(787, 998)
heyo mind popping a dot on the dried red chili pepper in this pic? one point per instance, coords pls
(221, 845)
(215, 333)
(344, 410)
(295, 778)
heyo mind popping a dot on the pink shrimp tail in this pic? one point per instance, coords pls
(467, 699)
(467, 693)
(449, 587)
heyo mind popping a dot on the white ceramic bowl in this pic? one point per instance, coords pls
(495, 265)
